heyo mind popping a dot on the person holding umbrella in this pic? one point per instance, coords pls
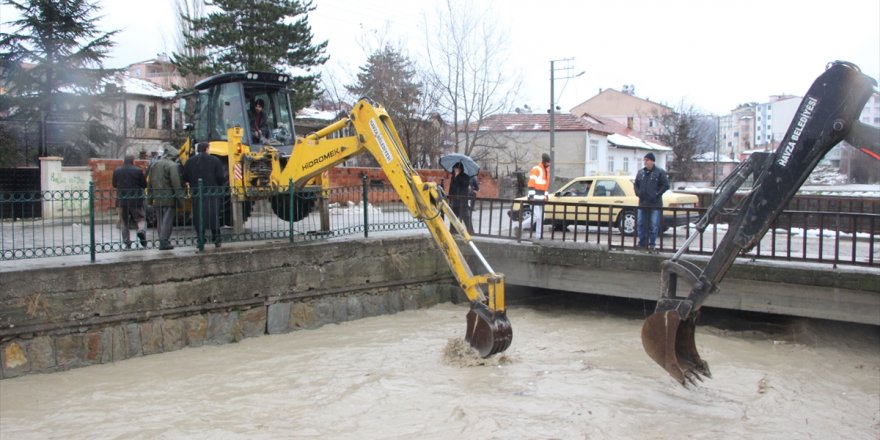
(459, 186)
(462, 168)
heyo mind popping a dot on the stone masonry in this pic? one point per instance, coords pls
(59, 318)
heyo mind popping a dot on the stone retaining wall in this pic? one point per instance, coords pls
(57, 318)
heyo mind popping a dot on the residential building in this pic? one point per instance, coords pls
(772, 120)
(735, 131)
(588, 145)
(712, 169)
(158, 71)
(631, 111)
(144, 114)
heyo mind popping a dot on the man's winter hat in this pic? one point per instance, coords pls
(545, 157)
(650, 156)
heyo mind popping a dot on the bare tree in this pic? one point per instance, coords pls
(466, 57)
(685, 130)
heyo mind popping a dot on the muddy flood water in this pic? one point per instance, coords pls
(575, 370)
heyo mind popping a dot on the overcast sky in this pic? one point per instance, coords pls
(713, 55)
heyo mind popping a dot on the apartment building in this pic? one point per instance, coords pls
(772, 120)
(736, 131)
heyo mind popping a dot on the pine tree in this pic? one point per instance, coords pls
(52, 68)
(261, 35)
(389, 78)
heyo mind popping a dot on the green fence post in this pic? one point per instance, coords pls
(366, 209)
(92, 221)
(290, 199)
(201, 220)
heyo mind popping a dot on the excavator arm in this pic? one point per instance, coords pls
(488, 329)
(827, 115)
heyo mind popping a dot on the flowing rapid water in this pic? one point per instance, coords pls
(575, 370)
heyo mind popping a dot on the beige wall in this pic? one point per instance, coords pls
(620, 107)
(522, 150)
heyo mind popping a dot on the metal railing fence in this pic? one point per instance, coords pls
(811, 236)
(85, 222)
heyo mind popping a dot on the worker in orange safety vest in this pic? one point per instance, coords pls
(539, 186)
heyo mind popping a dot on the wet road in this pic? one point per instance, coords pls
(575, 370)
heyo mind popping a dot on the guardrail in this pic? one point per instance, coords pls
(85, 223)
(813, 236)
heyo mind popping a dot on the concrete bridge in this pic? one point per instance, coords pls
(57, 314)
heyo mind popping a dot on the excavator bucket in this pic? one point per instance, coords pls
(669, 341)
(487, 331)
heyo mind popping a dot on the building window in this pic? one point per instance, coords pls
(626, 165)
(153, 116)
(140, 116)
(594, 150)
(610, 164)
(166, 119)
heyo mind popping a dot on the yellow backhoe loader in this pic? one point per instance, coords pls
(263, 161)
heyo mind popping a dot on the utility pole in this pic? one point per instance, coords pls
(567, 68)
(717, 142)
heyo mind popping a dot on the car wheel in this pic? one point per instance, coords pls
(626, 222)
(559, 225)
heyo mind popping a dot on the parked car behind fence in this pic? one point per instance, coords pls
(605, 200)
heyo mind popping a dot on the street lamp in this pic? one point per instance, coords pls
(553, 108)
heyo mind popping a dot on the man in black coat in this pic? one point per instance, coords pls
(213, 174)
(651, 182)
(130, 183)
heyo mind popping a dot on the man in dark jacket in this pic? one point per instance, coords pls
(210, 170)
(166, 192)
(650, 184)
(130, 183)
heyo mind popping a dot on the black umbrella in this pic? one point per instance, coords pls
(470, 167)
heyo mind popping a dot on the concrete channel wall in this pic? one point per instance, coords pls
(56, 318)
(796, 289)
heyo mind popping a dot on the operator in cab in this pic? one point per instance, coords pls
(259, 121)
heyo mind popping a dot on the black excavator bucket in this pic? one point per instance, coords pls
(669, 341)
(488, 332)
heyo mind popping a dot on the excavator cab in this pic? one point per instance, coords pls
(220, 110)
(228, 100)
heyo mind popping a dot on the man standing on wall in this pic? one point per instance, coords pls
(166, 193)
(130, 183)
(651, 182)
(539, 185)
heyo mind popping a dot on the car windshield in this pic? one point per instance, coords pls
(578, 188)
